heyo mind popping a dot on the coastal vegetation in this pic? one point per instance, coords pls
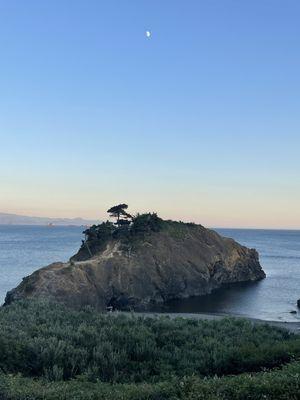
(51, 352)
(127, 226)
(131, 229)
(128, 229)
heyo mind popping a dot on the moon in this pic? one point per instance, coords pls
(148, 34)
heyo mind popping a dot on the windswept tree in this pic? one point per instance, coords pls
(123, 218)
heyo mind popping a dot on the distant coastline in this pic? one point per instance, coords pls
(15, 219)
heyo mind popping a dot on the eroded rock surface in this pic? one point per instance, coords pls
(172, 263)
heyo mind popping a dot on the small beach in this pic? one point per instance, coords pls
(293, 327)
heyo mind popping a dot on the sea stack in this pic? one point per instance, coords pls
(142, 262)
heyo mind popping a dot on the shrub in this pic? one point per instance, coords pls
(283, 384)
(146, 223)
(47, 340)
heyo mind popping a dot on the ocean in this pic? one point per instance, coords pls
(23, 249)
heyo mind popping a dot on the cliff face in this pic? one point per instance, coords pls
(181, 260)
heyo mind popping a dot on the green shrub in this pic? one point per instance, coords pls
(146, 223)
(47, 340)
(281, 384)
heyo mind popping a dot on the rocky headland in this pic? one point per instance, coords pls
(140, 262)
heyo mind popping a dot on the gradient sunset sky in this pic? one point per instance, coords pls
(200, 122)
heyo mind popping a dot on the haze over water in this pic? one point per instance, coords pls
(23, 249)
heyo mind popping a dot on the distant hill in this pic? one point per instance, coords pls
(13, 219)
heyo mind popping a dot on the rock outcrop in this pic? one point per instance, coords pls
(179, 261)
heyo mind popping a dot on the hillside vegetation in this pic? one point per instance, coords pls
(130, 233)
(51, 352)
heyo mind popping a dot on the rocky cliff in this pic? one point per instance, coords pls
(176, 261)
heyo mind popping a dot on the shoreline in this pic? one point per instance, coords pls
(293, 327)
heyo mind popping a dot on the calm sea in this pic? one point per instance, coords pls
(26, 248)
(23, 249)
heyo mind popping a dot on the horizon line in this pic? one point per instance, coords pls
(90, 219)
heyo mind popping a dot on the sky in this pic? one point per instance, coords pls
(198, 122)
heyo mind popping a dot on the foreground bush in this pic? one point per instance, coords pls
(40, 339)
(275, 385)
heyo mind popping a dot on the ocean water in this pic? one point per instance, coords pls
(23, 249)
(272, 298)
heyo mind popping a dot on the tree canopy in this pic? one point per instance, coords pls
(118, 211)
(127, 228)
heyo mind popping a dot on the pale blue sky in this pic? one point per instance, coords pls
(199, 122)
